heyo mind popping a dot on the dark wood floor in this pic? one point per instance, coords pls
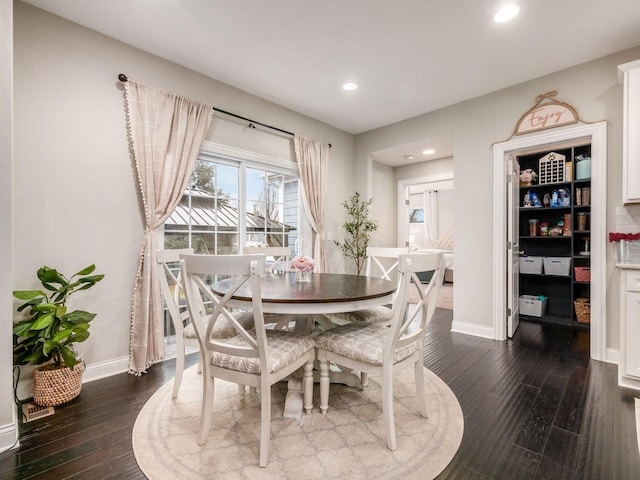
(535, 407)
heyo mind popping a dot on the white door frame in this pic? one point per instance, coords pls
(443, 181)
(596, 133)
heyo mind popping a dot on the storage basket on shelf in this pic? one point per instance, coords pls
(533, 305)
(582, 307)
(583, 274)
(557, 266)
(530, 265)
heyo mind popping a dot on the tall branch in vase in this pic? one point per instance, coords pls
(358, 230)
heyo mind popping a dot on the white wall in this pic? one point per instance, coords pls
(8, 431)
(446, 213)
(383, 192)
(475, 125)
(385, 195)
(74, 186)
(431, 168)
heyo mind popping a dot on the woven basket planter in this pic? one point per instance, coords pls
(55, 386)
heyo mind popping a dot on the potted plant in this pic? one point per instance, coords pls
(358, 230)
(47, 336)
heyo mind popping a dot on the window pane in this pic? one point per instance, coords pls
(272, 207)
(174, 240)
(203, 243)
(211, 214)
(227, 181)
(256, 239)
(227, 243)
(255, 184)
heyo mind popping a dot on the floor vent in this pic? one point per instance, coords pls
(32, 411)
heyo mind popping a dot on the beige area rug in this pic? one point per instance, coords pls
(445, 300)
(349, 443)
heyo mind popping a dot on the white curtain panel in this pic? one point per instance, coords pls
(165, 134)
(431, 215)
(313, 162)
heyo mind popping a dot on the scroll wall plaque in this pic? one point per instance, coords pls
(543, 115)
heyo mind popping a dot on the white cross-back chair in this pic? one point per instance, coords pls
(257, 357)
(382, 262)
(276, 258)
(168, 263)
(382, 350)
(276, 261)
(376, 264)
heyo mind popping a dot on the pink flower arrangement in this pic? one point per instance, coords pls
(302, 264)
(528, 175)
(616, 237)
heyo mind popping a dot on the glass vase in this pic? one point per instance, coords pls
(302, 276)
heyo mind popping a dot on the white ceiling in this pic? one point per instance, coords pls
(408, 56)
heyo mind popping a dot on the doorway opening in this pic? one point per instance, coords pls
(426, 223)
(425, 210)
(505, 250)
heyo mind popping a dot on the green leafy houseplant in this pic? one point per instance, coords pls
(358, 230)
(51, 329)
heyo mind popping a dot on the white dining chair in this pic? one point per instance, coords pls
(382, 262)
(276, 261)
(385, 351)
(168, 263)
(257, 357)
(276, 258)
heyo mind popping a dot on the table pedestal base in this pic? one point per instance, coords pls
(294, 401)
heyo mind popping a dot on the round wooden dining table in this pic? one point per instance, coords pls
(323, 294)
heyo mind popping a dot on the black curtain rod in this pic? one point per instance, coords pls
(252, 123)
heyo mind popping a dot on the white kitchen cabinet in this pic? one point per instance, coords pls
(629, 364)
(629, 76)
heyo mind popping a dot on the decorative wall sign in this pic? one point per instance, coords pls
(546, 115)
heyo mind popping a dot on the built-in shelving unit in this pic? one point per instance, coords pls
(566, 246)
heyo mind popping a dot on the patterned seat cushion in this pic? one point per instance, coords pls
(363, 342)
(222, 328)
(380, 314)
(284, 348)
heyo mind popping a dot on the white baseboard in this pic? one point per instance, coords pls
(473, 329)
(93, 372)
(8, 437)
(612, 355)
(100, 370)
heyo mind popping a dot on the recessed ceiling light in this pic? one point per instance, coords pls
(349, 86)
(408, 157)
(506, 13)
(428, 151)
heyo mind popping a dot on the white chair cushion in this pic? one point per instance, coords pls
(380, 314)
(222, 328)
(284, 348)
(363, 342)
